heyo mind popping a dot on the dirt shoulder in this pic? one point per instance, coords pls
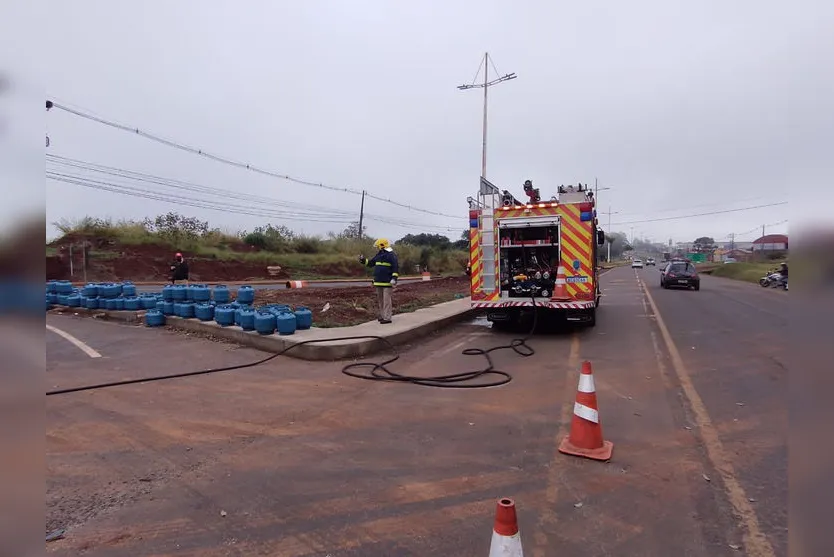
(351, 306)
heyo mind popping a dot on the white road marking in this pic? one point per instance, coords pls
(77, 343)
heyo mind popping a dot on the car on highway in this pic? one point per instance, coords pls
(650, 261)
(636, 263)
(680, 273)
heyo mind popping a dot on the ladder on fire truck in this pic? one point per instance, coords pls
(489, 198)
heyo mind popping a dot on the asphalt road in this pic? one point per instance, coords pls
(294, 458)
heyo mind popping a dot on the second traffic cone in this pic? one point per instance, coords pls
(560, 292)
(585, 437)
(506, 539)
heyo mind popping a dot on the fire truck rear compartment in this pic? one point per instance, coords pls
(529, 257)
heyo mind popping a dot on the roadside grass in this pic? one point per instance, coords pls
(307, 257)
(748, 272)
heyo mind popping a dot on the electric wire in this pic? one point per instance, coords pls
(142, 192)
(701, 214)
(190, 186)
(228, 161)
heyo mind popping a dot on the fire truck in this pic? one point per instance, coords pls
(536, 255)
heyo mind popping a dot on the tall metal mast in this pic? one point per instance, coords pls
(485, 63)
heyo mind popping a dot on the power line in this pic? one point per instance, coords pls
(136, 191)
(180, 184)
(231, 162)
(700, 205)
(701, 214)
(297, 208)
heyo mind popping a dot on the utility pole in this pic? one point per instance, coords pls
(608, 232)
(732, 241)
(361, 214)
(485, 86)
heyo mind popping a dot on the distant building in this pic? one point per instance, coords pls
(735, 245)
(771, 243)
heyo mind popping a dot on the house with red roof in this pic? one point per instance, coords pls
(771, 243)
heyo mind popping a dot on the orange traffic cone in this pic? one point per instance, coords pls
(560, 292)
(585, 437)
(506, 539)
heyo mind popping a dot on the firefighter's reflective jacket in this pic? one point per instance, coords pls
(385, 267)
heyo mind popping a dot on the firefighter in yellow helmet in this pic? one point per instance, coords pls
(386, 271)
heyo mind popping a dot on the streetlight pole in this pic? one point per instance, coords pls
(485, 86)
(608, 232)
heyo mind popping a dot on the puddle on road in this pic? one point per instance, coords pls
(481, 321)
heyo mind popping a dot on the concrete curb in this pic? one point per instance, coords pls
(405, 328)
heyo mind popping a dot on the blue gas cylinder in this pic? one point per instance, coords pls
(304, 318)
(204, 312)
(275, 309)
(52, 286)
(92, 303)
(200, 293)
(159, 306)
(285, 323)
(128, 289)
(265, 322)
(119, 303)
(186, 310)
(52, 297)
(109, 290)
(154, 318)
(178, 293)
(89, 290)
(247, 319)
(131, 303)
(245, 294)
(63, 287)
(149, 302)
(221, 294)
(168, 308)
(224, 315)
(168, 293)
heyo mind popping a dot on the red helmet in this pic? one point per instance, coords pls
(178, 254)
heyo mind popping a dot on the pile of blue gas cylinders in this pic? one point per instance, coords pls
(98, 295)
(198, 301)
(192, 301)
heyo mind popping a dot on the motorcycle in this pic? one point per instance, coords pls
(773, 279)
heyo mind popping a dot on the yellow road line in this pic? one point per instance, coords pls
(755, 542)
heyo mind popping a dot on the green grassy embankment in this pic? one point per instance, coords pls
(748, 272)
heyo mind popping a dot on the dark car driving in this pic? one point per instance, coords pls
(680, 273)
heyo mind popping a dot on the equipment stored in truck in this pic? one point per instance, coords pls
(538, 256)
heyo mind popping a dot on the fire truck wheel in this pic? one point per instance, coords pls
(592, 318)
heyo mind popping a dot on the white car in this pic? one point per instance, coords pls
(637, 264)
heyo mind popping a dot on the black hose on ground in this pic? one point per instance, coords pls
(377, 371)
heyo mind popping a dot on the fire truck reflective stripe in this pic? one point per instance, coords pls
(576, 246)
(475, 261)
(586, 413)
(586, 383)
(486, 303)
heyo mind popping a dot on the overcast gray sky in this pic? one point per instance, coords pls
(680, 107)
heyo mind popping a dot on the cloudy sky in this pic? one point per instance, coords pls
(679, 107)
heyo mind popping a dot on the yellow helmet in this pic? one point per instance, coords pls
(382, 243)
